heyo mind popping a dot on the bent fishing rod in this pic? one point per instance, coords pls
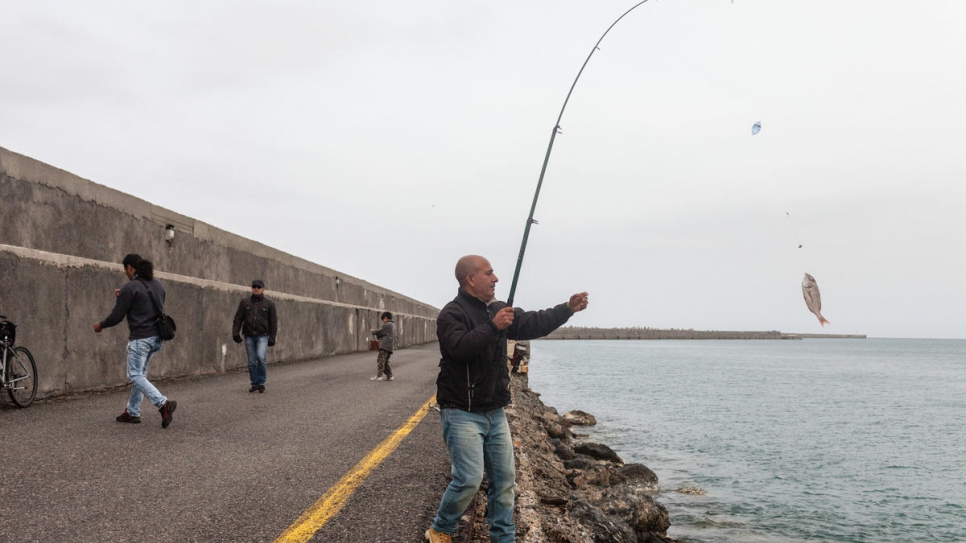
(546, 158)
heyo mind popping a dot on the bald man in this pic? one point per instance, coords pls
(472, 389)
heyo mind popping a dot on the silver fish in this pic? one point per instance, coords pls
(813, 298)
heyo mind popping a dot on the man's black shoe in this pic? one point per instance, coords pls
(125, 417)
(167, 412)
(261, 388)
(253, 389)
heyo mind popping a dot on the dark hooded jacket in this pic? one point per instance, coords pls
(473, 373)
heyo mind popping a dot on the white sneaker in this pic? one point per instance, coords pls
(390, 379)
(380, 378)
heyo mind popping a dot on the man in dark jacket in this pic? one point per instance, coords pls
(133, 301)
(473, 387)
(257, 320)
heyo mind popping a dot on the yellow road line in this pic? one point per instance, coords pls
(315, 517)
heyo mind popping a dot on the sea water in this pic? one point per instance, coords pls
(851, 440)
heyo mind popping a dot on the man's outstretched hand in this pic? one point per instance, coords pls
(578, 302)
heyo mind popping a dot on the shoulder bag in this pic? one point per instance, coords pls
(165, 323)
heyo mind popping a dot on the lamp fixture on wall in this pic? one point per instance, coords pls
(338, 281)
(169, 234)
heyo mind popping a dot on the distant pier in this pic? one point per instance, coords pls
(577, 332)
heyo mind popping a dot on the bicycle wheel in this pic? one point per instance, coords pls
(21, 376)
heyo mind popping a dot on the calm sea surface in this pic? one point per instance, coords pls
(815, 440)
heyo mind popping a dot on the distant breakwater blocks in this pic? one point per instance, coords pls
(577, 332)
(569, 490)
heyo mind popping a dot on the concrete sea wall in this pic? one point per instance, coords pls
(62, 239)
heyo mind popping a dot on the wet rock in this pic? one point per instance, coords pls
(598, 451)
(693, 490)
(579, 418)
(634, 505)
(604, 527)
(639, 474)
(623, 515)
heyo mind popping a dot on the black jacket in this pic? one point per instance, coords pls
(473, 374)
(256, 317)
(134, 303)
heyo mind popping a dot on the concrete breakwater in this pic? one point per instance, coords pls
(62, 239)
(569, 490)
(579, 332)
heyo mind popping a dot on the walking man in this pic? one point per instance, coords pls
(133, 301)
(257, 320)
(387, 337)
(472, 389)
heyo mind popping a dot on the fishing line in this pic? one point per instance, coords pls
(546, 158)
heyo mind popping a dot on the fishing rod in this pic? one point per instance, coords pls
(546, 158)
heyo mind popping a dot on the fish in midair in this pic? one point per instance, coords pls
(813, 298)
(755, 128)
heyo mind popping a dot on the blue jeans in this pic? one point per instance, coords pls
(257, 348)
(478, 442)
(139, 354)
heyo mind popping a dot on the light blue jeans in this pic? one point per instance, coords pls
(257, 348)
(139, 355)
(478, 442)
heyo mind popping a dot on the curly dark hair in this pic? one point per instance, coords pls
(131, 260)
(145, 270)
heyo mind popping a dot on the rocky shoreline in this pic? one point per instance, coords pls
(570, 490)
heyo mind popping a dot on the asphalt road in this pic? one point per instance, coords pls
(233, 465)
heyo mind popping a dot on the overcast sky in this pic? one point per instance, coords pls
(385, 139)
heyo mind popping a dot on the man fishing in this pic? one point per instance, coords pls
(473, 387)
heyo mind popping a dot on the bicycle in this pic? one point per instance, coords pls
(18, 371)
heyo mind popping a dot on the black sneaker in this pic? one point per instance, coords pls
(253, 389)
(167, 412)
(261, 388)
(125, 417)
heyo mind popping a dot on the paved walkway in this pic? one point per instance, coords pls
(234, 465)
